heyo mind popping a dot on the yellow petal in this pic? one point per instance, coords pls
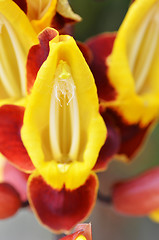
(16, 37)
(63, 130)
(133, 64)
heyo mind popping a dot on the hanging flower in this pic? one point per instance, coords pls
(138, 196)
(133, 64)
(16, 37)
(125, 67)
(62, 131)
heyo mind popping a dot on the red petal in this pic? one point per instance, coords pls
(11, 146)
(37, 55)
(61, 209)
(17, 179)
(9, 201)
(112, 143)
(138, 196)
(101, 47)
(22, 4)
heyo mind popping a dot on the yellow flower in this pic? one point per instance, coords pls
(63, 130)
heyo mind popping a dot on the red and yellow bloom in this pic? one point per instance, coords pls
(62, 131)
(16, 37)
(125, 67)
(133, 65)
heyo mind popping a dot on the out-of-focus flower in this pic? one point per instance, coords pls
(45, 13)
(81, 232)
(16, 37)
(62, 132)
(138, 196)
(133, 65)
(12, 189)
(126, 71)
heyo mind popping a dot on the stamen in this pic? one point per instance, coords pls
(66, 89)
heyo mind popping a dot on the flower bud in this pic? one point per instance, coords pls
(138, 196)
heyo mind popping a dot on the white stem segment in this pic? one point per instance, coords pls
(64, 116)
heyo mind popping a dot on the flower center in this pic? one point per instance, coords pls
(12, 67)
(64, 116)
(144, 46)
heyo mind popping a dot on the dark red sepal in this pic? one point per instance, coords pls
(112, 143)
(85, 51)
(37, 55)
(9, 200)
(11, 145)
(22, 4)
(138, 196)
(125, 139)
(62, 24)
(101, 47)
(132, 135)
(60, 210)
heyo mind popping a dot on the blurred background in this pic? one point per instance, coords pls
(99, 16)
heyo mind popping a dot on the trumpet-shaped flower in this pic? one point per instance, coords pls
(16, 37)
(133, 64)
(62, 131)
(125, 67)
